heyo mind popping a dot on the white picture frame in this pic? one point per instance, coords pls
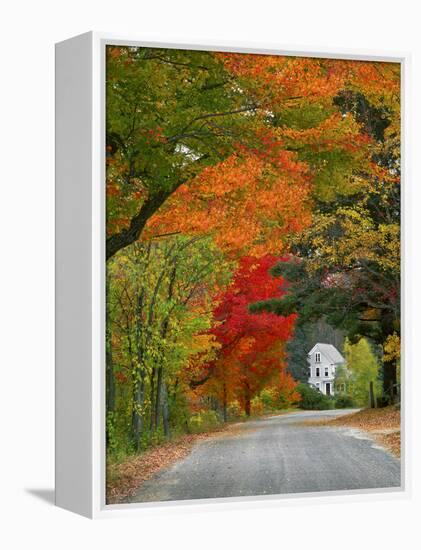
(80, 277)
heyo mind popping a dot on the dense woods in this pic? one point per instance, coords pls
(253, 202)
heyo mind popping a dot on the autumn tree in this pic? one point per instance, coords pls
(246, 195)
(346, 266)
(164, 109)
(176, 118)
(251, 352)
(159, 306)
(362, 369)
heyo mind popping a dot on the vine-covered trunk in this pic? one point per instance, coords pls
(110, 382)
(137, 418)
(152, 424)
(161, 401)
(109, 370)
(158, 399)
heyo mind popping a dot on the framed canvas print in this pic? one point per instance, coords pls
(229, 255)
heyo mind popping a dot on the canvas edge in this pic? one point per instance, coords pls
(99, 508)
(73, 273)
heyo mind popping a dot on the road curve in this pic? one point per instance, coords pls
(276, 455)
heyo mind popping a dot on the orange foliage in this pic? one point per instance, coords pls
(277, 79)
(247, 203)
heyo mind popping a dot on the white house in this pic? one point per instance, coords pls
(323, 360)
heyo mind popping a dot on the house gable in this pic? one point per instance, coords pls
(330, 354)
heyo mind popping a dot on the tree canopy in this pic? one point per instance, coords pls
(253, 205)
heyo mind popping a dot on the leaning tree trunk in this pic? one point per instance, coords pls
(130, 234)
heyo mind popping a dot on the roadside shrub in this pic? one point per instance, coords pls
(257, 406)
(203, 421)
(118, 445)
(344, 402)
(287, 399)
(312, 399)
(268, 398)
(235, 411)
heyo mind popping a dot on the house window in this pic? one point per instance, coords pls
(326, 371)
(318, 357)
(317, 371)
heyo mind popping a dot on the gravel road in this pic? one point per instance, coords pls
(276, 455)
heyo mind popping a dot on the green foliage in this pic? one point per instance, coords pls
(344, 402)
(312, 399)
(361, 369)
(269, 398)
(204, 421)
(156, 312)
(160, 126)
(112, 439)
(304, 116)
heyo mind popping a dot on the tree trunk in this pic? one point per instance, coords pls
(224, 403)
(137, 419)
(371, 394)
(131, 234)
(165, 410)
(152, 390)
(109, 379)
(157, 411)
(161, 404)
(389, 381)
(109, 376)
(247, 403)
(139, 393)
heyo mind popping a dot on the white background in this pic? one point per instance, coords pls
(29, 30)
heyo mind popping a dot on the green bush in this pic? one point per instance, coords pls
(312, 399)
(268, 398)
(118, 445)
(203, 421)
(344, 402)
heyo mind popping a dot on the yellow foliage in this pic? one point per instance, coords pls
(358, 239)
(392, 348)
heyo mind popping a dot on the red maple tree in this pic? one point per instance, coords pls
(251, 353)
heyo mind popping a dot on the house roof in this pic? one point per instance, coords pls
(329, 351)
